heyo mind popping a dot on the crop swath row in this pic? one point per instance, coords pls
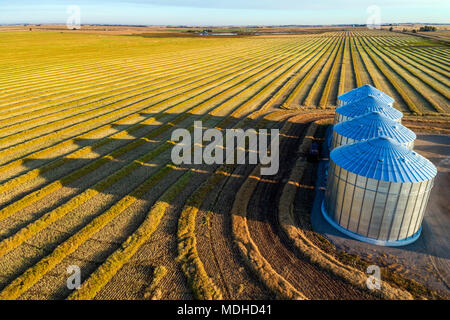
(175, 68)
(396, 69)
(100, 143)
(174, 72)
(115, 101)
(136, 105)
(310, 67)
(322, 75)
(17, 237)
(237, 87)
(416, 72)
(89, 168)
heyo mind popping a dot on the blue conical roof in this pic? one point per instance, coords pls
(366, 105)
(364, 91)
(372, 125)
(383, 159)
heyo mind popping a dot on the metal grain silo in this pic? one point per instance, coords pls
(378, 191)
(366, 105)
(368, 126)
(362, 92)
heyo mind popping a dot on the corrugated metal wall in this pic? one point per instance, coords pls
(340, 140)
(373, 208)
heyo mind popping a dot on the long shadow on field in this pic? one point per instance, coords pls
(145, 139)
(90, 161)
(138, 148)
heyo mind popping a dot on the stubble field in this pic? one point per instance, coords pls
(86, 176)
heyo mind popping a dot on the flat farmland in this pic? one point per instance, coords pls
(86, 177)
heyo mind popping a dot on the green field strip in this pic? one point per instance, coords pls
(419, 45)
(416, 56)
(429, 69)
(165, 71)
(144, 55)
(86, 56)
(435, 55)
(417, 73)
(89, 54)
(413, 48)
(427, 61)
(20, 110)
(77, 77)
(436, 77)
(440, 53)
(387, 74)
(400, 72)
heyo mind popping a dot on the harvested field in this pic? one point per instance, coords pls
(87, 179)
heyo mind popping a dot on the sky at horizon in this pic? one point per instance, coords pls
(231, 12)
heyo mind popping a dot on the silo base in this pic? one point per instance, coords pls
(386, 243)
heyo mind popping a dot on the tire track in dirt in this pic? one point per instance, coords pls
(262, 220)
(215, 242)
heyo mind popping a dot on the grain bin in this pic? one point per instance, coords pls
(368, 126)
(366, 105)
(362, 92)
(378, 191)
